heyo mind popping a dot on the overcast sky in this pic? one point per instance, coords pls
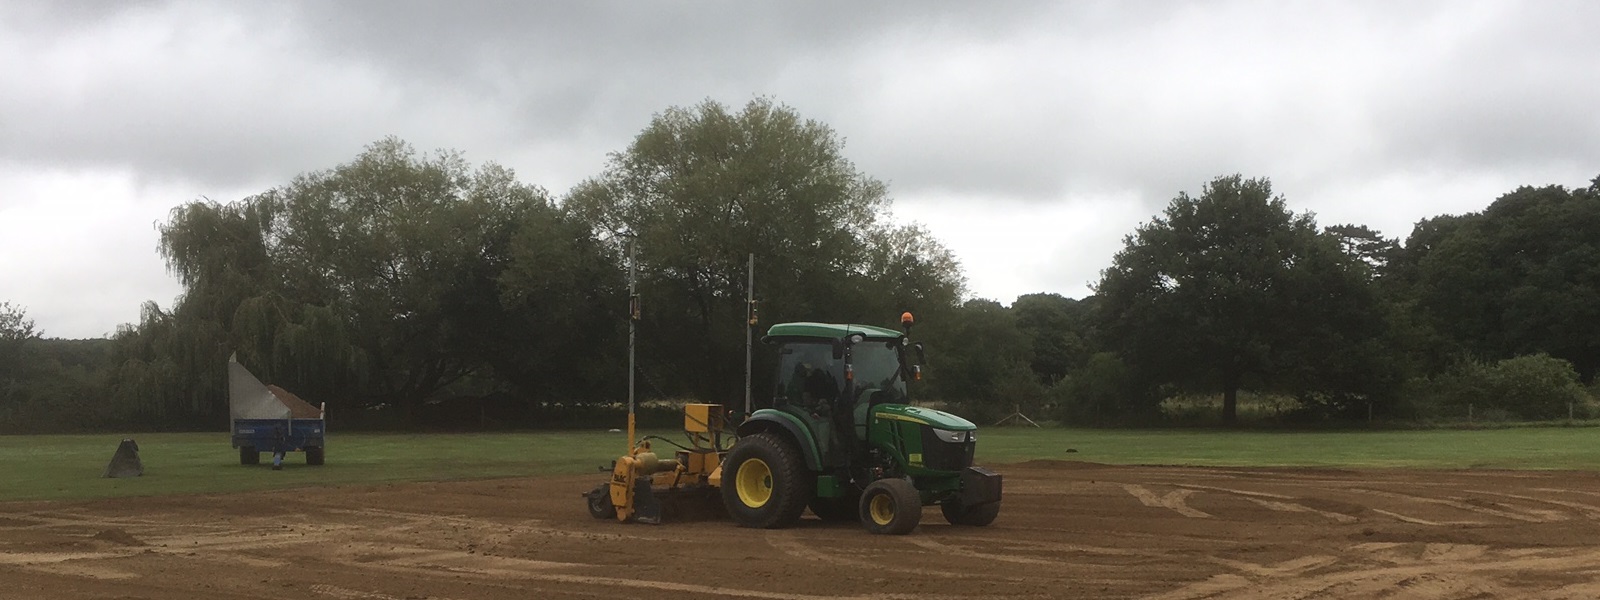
(1029, 137)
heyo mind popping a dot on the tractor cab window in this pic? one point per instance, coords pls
(808, 376)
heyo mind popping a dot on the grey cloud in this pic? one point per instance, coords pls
(1034, 101)
(245, 92)
(1424, 104)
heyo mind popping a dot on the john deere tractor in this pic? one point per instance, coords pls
(840, 438)
(837, 436)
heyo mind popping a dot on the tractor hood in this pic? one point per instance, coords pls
(937, 419)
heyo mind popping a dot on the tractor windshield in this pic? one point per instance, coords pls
(810, 377)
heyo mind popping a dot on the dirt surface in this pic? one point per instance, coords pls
(1067, 530)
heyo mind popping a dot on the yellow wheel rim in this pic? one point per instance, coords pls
(754, 483)
(881, 509)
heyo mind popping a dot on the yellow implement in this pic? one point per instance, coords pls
(643, 485)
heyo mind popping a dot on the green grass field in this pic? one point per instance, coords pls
(69, 466)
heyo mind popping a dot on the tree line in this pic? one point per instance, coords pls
(408, 289)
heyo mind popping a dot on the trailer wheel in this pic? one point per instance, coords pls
(249, 456)
(974, 516)
(765, 483)
(891, 506)
(314, 455)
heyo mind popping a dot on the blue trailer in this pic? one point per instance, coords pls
(272, 420)
(278, 436)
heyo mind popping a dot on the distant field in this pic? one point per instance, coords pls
(69, 466)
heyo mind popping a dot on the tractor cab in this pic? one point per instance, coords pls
(831, 383)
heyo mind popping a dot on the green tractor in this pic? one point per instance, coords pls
(841, 439)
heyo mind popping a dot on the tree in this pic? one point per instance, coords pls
(48, 385)
(555, 332)
(1231, 289)
(1521, 277)
(702, 188)
(16, 331)
(381, 282)
(1366, 245)
(15, 326)
(978, 359)
(1059, 331)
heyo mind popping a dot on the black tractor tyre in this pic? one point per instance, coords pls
(973, 516)
(836, 510)
(249, 456)
(314, 456)
(891, 507)
(599, 501)
(777, 487)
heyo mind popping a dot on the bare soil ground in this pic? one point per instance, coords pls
(1068, 530)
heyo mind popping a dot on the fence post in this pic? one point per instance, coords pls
(1569, 410)
(1469, 413)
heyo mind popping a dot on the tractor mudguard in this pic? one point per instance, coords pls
(768, 419)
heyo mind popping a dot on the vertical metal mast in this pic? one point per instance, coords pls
(633, 318)
(749, 329)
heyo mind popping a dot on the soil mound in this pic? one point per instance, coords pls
(119, 537)
(299, 409)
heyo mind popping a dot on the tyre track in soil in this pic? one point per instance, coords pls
(1066, 530)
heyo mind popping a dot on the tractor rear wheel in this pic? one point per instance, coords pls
(975, 516)
(599, 501)
(249, 456)
(765, 483)
(891, 506)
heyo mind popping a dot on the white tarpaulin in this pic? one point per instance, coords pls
(248, 398)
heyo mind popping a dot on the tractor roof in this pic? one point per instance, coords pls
(830, 331)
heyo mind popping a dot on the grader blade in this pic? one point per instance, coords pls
(690, 504)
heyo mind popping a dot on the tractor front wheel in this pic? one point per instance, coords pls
(891, 506)
(975, 516)
(765, 484)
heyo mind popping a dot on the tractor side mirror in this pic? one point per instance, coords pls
(916, 369)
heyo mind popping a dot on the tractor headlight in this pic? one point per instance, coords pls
(954, 437)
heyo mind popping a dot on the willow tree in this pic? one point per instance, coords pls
(372, 283)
